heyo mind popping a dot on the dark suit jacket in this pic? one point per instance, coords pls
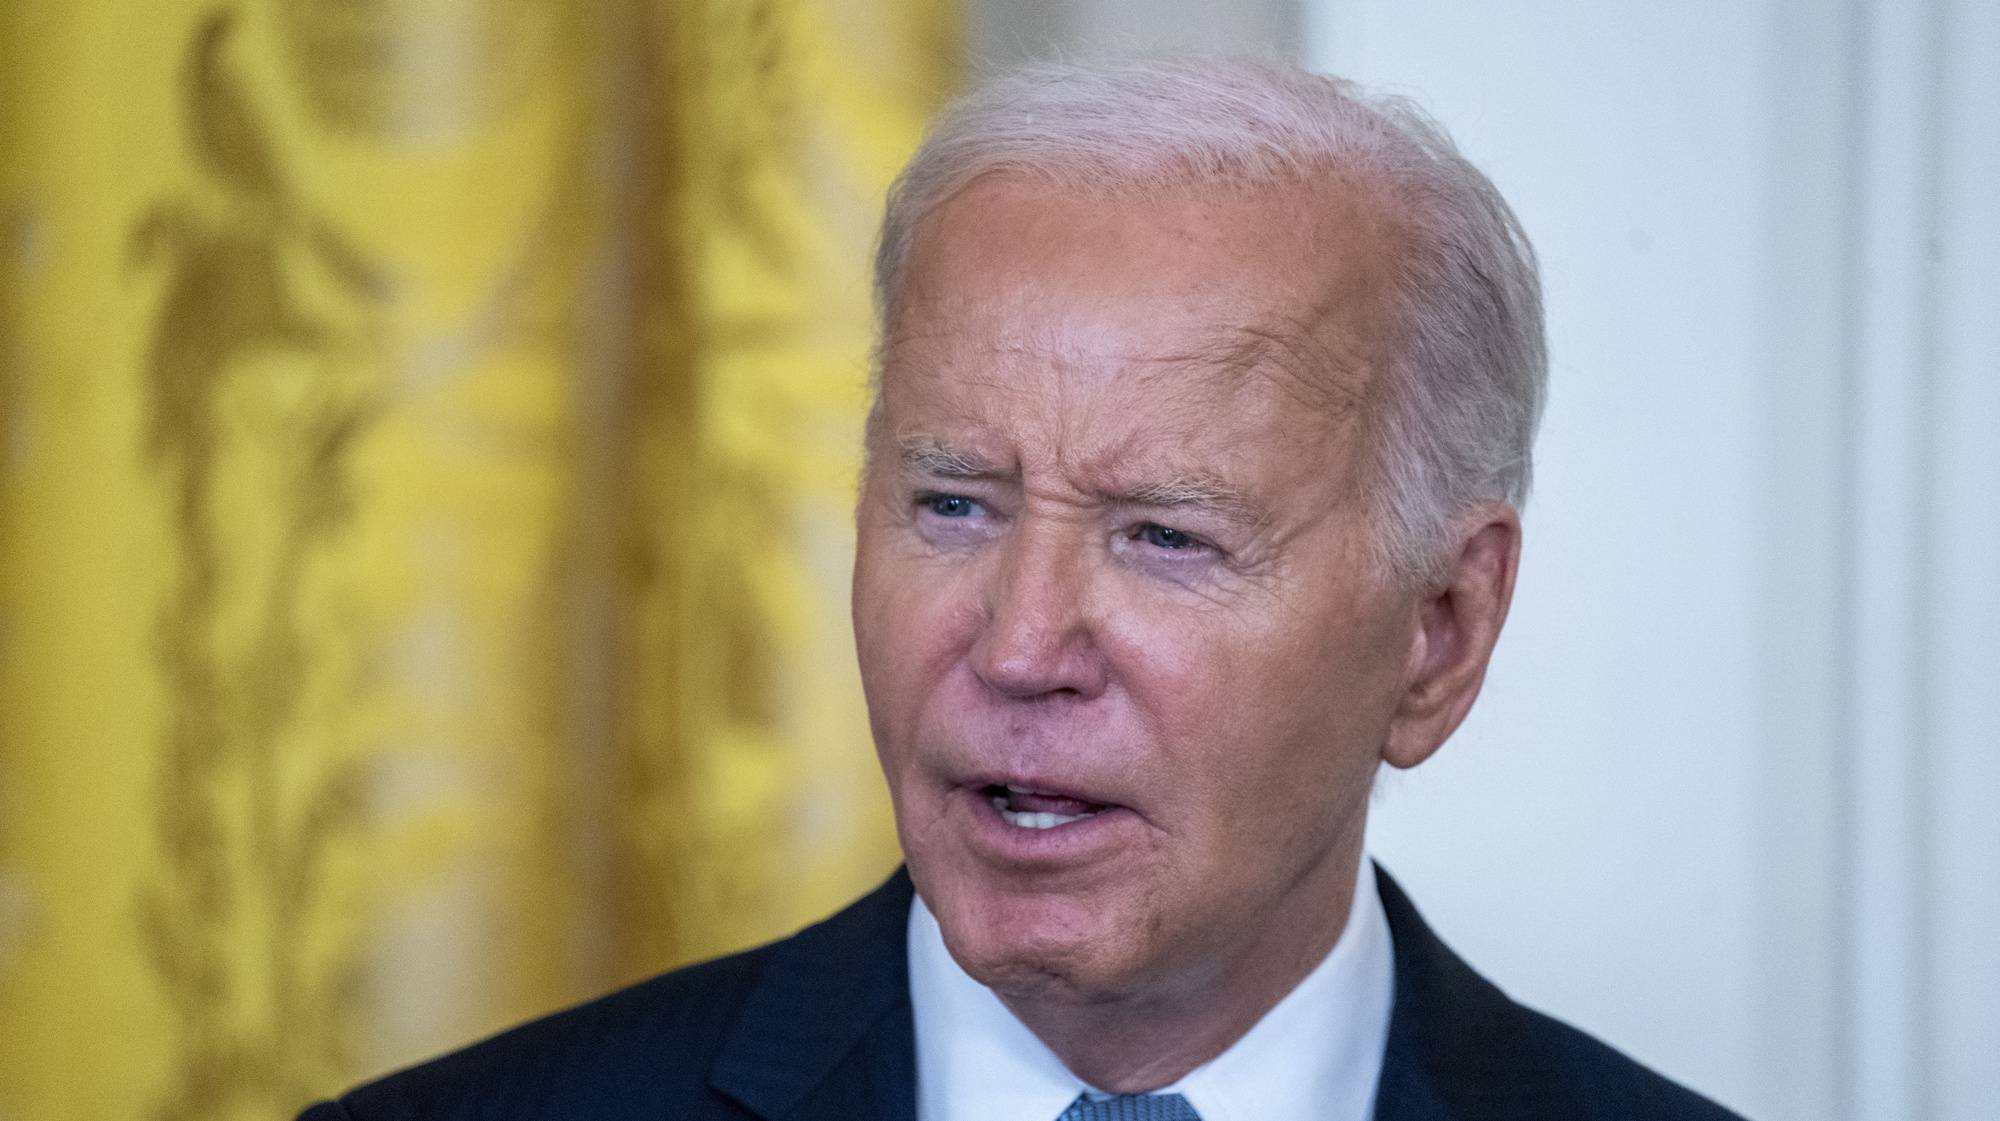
(818, 1027)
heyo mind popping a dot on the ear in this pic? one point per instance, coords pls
(1458, 622)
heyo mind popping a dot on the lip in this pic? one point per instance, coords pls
(1098, 837)
(979, 783)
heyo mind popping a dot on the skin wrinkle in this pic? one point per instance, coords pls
(1290, 352)
(1284, 355)
(928, 463)
(928, 457)
(1319, 376)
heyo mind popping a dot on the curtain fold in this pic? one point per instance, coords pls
(427, 441)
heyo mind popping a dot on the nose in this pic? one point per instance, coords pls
(1038, 640)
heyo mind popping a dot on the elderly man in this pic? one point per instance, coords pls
(1206, 398)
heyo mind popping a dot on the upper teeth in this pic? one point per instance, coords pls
(1039, 820)
(1042, 820)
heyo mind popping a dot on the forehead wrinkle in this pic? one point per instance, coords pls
(914, 358)
(957, 317)
(1289, 352)
(1275, 342)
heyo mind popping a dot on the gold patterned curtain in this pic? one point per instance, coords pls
(427, 437)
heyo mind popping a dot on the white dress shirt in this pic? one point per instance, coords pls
(1315, 1056)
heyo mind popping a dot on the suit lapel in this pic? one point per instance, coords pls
(1458, 1048)
(826, 1030)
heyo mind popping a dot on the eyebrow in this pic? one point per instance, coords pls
(1203, 493)
(927, 455)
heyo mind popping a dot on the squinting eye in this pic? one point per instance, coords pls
(950, 505)
(1161, 537)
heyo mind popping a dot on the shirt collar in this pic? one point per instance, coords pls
(1315, 1056)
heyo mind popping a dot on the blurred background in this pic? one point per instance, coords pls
(427, 435)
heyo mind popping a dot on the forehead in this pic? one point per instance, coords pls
(1219, 312)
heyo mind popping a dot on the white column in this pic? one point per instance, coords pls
(1961, 875)
(1889, 331)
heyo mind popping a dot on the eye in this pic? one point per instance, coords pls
(953, 522)
(1164, 537)
(949, 505)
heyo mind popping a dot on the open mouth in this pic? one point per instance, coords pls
(1025, 808)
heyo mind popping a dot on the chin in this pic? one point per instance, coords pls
(1034, 946)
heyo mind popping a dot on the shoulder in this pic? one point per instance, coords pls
(1461, 1048)
(630, 1053)
(678, 1045)
(1610, 1085)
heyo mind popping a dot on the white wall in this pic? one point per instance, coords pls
(1003, 32)
(1723, 800)
(1590, 836)
(1729, 798)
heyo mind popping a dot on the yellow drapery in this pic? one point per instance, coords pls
(427, 435)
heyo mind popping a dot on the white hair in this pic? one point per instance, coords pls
(1463, 394)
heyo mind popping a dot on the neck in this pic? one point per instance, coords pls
(1147, 1039)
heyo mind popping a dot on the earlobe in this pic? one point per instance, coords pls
(1413, 734)
(1456, 630)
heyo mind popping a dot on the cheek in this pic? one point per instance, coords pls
(913, 620)
(1267, 722)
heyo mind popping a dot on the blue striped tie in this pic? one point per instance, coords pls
(1130, 1107)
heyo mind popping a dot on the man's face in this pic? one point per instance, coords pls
(1128, 668)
